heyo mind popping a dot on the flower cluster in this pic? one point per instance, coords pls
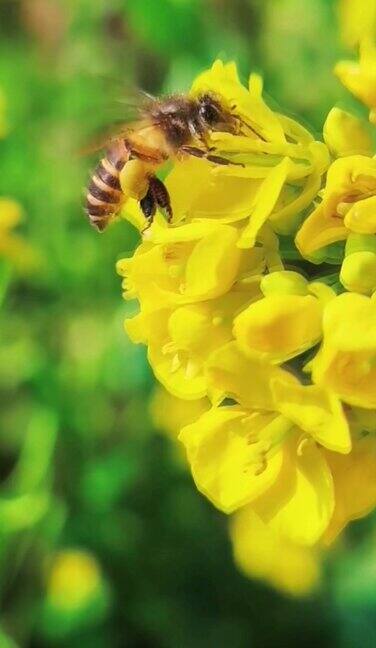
(258, 307)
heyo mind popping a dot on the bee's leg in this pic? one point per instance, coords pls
(148, 206)
(217, 159)
(161, 196)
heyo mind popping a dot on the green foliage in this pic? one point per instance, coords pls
(80, 465)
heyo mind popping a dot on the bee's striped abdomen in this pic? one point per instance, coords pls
(104, 195)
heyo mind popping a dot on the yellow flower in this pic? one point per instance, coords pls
(354, 478)
(74, 580)
(345, 134)
(171, 271)
(190, 285)
(357, 20)
(360, 78)
(285, 323)
(346, 361)
(358, 270)
(12, 247)
(348, 205)
(261, 553)
(262, 450)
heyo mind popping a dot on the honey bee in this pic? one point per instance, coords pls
(168, 128)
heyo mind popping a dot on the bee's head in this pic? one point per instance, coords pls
(213, 116)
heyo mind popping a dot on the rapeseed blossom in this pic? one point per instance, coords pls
(274, 370)
(13, 249)
(360, 77)
(357, 20)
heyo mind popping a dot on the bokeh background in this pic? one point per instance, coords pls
(104, 540)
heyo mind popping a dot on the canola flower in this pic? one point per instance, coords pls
(272, 359)
(357, 20)
(74, 579)
(14, 250)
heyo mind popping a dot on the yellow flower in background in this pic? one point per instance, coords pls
(348, 205)
(344, 134)
(346, 361)
(12, 247)
(360, 77)
(74, 580)
(357, 20)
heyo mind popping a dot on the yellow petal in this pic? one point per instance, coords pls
(150, 269)
(279, 327)
(245, 380)
(357, 20)
(265, 201)
(319, 230)
(346, 362)
(294, 131)
(222, 460)
(223, 81)
(197, 271)
(284, 282)
(221, 259)
(320, 290)
(10, 213)
(161, 233)
(260, 553)
(354, 478)
(360, 78)
(181, 373)
(181, 378)
(255, 84)
(361, 218)
(197, 328)
(136, 329)
(223, 198)
(345, 134)
(316, 411)
(286, 217)
(300, 503)
(358, 272)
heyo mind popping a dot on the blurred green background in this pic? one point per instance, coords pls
(104, 540)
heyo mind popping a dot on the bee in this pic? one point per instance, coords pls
(168, 128)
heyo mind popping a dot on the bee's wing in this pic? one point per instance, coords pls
(119, 110)
(102, 140)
